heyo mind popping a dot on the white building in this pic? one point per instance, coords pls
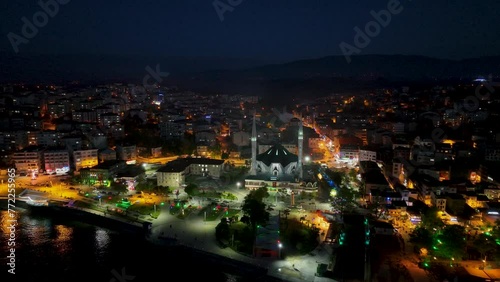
(56, 161)
(367, 155)
(28, 160)
(174, 172)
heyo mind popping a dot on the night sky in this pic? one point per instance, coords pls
(263, 29)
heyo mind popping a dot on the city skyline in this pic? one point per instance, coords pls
(249, 140)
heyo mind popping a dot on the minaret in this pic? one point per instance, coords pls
(253, 169)
(300, 145)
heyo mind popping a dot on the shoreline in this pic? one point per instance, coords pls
(81, 215)
(230, 265)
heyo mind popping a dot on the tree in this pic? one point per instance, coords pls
(421, 237)
(144, 184)
(222, 231)
(190, 189)
(430, 219)
(343, 199)
(450, 243)
(256, 210)
(302, 238)
(118, 187)
(353, 174)
(245, 219)
(259, 194)
(335, 176)
(484, 244)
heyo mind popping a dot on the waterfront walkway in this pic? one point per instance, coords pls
(193, 232)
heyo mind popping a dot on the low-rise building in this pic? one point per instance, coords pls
(126, 152)
(173, 173)
(103, 172)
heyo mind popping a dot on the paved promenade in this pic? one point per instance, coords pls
(195, 233)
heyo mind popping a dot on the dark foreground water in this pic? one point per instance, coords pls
(60, 249)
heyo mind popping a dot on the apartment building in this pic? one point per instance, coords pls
(85, 158)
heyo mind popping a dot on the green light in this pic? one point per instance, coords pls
(426, 264)
(86, 194)
(434, 247)
(162, 204)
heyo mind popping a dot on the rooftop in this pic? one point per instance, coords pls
(109, 164)
(277, 154)
(180, 165)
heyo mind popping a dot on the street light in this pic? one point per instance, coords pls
(280, 246)
(238, 184)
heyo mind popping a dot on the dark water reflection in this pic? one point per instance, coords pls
(63, 250)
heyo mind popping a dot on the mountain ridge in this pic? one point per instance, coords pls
(245, 76)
